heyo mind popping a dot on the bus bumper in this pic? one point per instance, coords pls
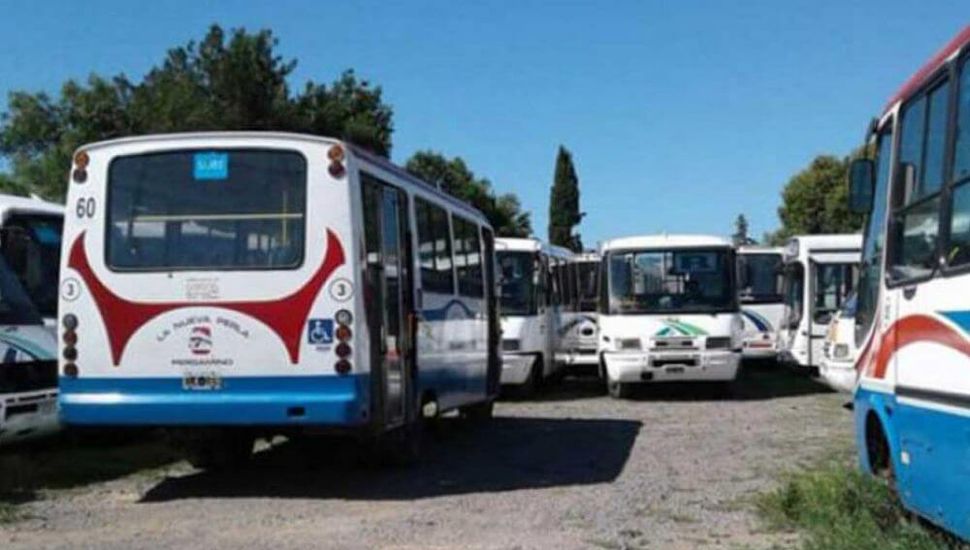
(627, 367)
(336, 401)
(28, 415)
(839, 375)
(759, 348)
(516, 367)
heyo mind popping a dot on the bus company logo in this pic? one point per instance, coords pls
(200, 340)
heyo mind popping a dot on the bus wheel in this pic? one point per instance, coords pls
(479, 413)
(879, 454)
(532, 383)
(215, 449)
(618, 390)
(402, 446)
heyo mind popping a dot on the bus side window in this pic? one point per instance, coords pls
(958, 249)
(434, 248)
(916, 193)
(468, 258)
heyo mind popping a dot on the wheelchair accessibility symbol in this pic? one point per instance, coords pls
(320, 331)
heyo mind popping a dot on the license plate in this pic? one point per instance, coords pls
(675, 370)
(204, 381)
(49, 407)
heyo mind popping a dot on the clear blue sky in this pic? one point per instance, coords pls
(680, 115)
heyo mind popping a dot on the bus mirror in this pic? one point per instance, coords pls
(861, 184)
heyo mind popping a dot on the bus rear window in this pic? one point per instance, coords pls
(230, 209)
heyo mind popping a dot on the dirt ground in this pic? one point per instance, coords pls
(675, 467)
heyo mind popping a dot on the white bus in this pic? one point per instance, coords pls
(235, 285)
(668, 311)
(839, 351)
(30, 233)
(912, 401)
(760, 278)
(533, 277)
(580, 333)
(820, 272)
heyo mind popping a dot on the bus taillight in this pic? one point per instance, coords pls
(336, 155)
(70, 341)
(343, 334)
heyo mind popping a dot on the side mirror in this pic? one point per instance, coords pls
(862, 182)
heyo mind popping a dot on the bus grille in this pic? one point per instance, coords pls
(661, 344)
(28, 376)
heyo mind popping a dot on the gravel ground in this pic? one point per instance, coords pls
(675, 467)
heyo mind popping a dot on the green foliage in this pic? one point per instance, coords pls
(564, 212)
(234, 82)
(504, 212)
(740, 236)
(816, 201)
(839, 508)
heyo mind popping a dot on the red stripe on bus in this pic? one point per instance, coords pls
(285, 316)
(914, 329)
(930, 67)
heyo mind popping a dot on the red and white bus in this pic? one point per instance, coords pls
(912, 400)
(234, 285)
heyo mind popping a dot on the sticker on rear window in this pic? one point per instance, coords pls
(320, 331)
(211, 166)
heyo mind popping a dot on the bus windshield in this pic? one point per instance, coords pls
(517, 277)
(587, 285)
(671, 281)
(16, 307)
(31, 246)
(833, 283)
(760, 278)
(231, 209)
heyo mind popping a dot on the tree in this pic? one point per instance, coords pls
(815, 200)
(504, 212)
(564, 212)
(740, 236)
(234, 82)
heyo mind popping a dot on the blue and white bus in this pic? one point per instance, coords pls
(234, 285)
(912, 401)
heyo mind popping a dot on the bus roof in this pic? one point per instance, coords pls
(915, 82)
(32, 205)
(356, 151)
(530, 244)
(757, 249)
(829, 241)
(665, 241)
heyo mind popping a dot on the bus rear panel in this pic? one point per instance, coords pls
(209, 280)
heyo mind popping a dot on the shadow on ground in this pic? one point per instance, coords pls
(504, 455)
(74, 459)
(757, 381)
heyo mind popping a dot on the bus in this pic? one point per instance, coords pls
(837, 368)
(534, 278)
(762, 304)
(229, 286)
(30, 232)
(668, 311)
(912, 400)
(819, 273)
(578, 344)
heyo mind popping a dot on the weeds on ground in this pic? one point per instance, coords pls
(836, 507)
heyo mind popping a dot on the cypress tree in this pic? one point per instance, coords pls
(564, 212)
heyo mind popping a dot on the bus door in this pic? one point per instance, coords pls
(494, 371)
(390, 311)
(833, 277)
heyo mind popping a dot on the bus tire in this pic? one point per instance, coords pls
(402, 446)
(878, 452)
(216, 450)
(618, 390)
(534, 380)
(479, 413)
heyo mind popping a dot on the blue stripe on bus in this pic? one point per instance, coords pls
(441, 313)
(325, 400)
(959, 318)
(759, 323)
